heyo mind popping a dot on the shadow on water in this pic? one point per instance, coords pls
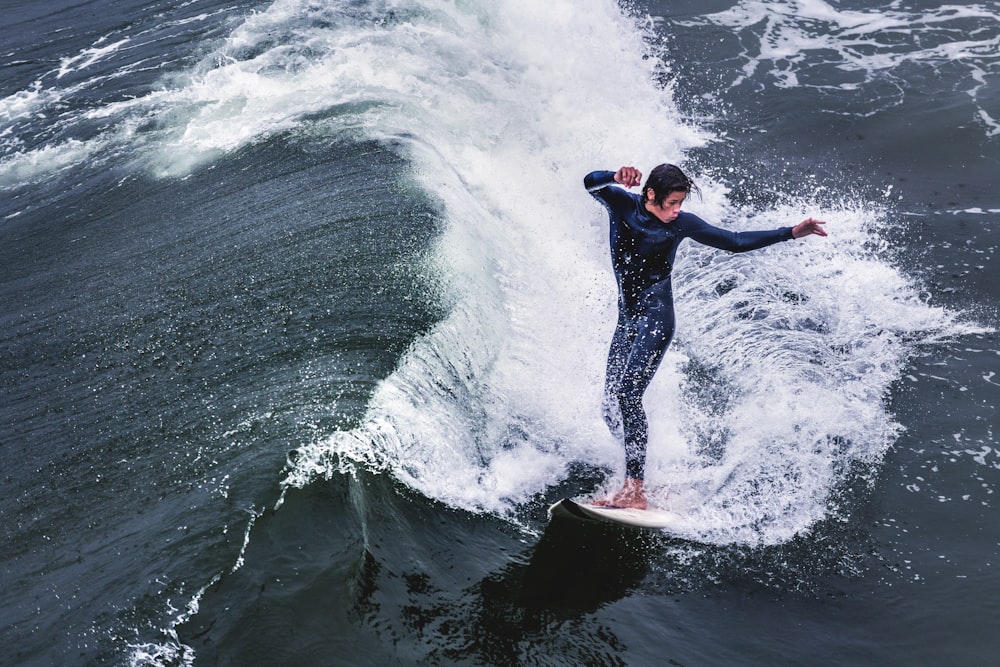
(575, 568)
(537, 612)
(361, 572)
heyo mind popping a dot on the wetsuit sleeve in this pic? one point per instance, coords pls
(600, 184)
(596, 180)
(702, 232)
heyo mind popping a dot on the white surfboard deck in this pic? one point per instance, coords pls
(647, 518)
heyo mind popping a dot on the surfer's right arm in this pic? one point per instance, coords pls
(600, 186)
(625, 176)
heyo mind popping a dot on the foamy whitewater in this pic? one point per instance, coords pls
(871, 52)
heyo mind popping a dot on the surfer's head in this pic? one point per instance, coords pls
(665, 190)
(665, 179)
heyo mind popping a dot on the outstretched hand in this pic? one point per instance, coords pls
(807, 227)
(628, 176)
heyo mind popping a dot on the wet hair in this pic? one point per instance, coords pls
(667, 178)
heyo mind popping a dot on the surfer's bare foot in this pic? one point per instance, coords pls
(631, 496)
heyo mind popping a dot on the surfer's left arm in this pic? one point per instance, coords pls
(724, 239)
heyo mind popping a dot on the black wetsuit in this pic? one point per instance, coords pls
(642, 253)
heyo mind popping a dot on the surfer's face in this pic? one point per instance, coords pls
(667, 210)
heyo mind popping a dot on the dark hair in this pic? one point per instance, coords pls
(667, 178)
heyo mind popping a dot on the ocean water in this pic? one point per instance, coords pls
(304, 315)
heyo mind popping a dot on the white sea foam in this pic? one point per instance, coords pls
(88, 57)
(801, 42)
(21, 104)
(64, 101)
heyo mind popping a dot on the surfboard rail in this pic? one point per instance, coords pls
(625, 516)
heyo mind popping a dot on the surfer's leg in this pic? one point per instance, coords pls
(618, 353)
(655, 330)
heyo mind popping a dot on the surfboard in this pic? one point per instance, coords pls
(625, 516)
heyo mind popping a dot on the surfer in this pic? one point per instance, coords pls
(646, 229)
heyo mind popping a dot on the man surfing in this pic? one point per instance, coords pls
(645, 231)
